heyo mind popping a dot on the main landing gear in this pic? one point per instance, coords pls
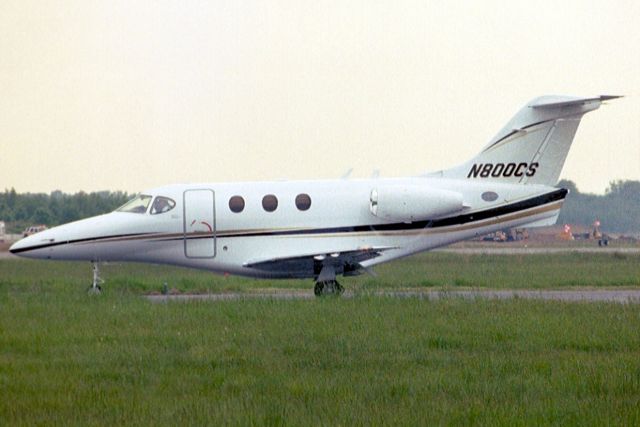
(330, 287)
(95, 287)
(326, 283)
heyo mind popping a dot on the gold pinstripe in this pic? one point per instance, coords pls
(497, 220)
(238, 233)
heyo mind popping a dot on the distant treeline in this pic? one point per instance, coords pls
(21, 210)
(618, 209)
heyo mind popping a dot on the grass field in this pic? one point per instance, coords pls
(67, 357)
(430, 270)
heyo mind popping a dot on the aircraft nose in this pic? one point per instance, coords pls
(28, 246)
(22, 245)
(15, 247)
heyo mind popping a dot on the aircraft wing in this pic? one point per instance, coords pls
(345, 262)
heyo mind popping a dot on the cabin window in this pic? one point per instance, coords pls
(161, 205)
(269, 203)
(303, 202)
(136, 205)
(236, 204)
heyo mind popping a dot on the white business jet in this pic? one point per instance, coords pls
(323, 229)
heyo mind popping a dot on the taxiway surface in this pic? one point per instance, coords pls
(587, 295)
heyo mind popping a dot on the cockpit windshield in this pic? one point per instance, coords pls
(136, 205)
(161, 205)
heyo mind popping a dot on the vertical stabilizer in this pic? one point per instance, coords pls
(533, 146)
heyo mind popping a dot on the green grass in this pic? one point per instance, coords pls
(119, 360)
(510, 271)
(70, 358)
(431, 270)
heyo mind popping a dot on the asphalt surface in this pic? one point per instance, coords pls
(615, 295)
(519, 250)
(502, 250)
(7, 255)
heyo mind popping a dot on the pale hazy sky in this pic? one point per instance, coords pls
(135, 94)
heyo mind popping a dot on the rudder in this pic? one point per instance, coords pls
(533, 146)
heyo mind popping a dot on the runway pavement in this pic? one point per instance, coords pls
(519, 250)
(497, 250)
(7, 255)
(588, 295)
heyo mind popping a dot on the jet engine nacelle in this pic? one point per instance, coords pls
(413, 203)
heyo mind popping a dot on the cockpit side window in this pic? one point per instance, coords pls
(161, 205)
(136, 205)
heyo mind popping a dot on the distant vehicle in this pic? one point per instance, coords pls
(33, 230)
(498, 236)
(322, 229)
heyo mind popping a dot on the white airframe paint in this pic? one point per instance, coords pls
(340, 223)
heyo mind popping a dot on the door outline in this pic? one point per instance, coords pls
(213, 225)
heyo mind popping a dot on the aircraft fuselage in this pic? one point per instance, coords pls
(201, 231)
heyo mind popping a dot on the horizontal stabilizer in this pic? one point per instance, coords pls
(561, 101)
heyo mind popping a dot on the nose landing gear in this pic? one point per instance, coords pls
(95, 287)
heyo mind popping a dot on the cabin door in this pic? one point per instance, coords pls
(199, 223)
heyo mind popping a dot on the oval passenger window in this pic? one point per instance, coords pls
(303, 202)
(489, 196)
(236, 204)
(269, 203)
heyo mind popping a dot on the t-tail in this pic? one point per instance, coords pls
(533, 146)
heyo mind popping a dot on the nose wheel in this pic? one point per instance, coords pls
(95, 287)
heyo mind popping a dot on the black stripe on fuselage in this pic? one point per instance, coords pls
(399, 226)
(85, 240)
(418, 225)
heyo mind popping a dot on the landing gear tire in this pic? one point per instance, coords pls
(94, 289)
(318, 288)
(329, 287)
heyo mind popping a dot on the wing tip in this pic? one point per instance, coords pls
(610, 97)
